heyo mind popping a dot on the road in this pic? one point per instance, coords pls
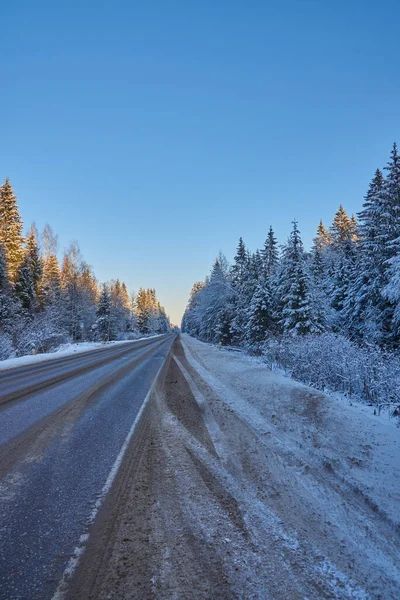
(62, 426)
(243, 484)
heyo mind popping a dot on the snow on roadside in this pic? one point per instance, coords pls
(352, 425)
(64, 350)
(332, 468)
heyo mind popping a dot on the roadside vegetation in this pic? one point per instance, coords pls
(45, 303)
(330, 316)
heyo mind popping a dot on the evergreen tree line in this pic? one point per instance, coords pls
(348, 283)
(44, 303)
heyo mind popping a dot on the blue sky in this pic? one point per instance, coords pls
(157, 133)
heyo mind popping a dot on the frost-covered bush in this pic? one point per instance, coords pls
(6, 347)
(332, 362)
(42, 334)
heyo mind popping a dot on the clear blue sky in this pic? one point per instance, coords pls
(156, 133)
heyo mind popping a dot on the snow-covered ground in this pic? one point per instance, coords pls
(248, 485)
(312, 469)
(64, 350)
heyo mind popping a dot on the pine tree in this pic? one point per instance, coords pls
(191, 318)
(260, 314)
(364, 304)
(34, 260)
(243, 284)
(389, 242)
(240, 265)
(4, 282)
(256, 266)
(342, 255)
(319, 256)
(270, 254)
(11, 229)
(25, 284)
(296, 304)
(8, 304)
(104, 325)
(342, 228)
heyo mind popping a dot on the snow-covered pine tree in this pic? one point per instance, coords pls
(191, 318)
(8, 310)
(164, 325)
(212, 301)
(7, 303)
(256, 266)
(270, 254)
(240, 265)
(4, 282)
(243, 284)
(261, 321)
(342, 227)
(34, 260)
(389, 241)
(364, 304)
(25, 284)
(104, 326)
(11, 230)
(295, 300)
(342, 269)
(320, 269)
(321, 243)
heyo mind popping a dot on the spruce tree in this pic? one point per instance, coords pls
(364, 305)
(192, 317)
(240, 265)
(342, 228)
(319, 257)
(260, 314)
(4, 282)
(270, 254)
(8, 304)
(11, 230)
(25, 284)
(389, 242)
(243, 284)
(104, 326)
(295, 300)
(34, 260)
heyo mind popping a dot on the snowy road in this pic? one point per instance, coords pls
(62, 425)
(247, 485)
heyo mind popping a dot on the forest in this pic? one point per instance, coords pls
(330, 315)
(45, 303)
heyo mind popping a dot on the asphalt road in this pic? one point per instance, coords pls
(62, 426)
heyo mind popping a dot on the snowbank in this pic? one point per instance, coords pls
(64, 350)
